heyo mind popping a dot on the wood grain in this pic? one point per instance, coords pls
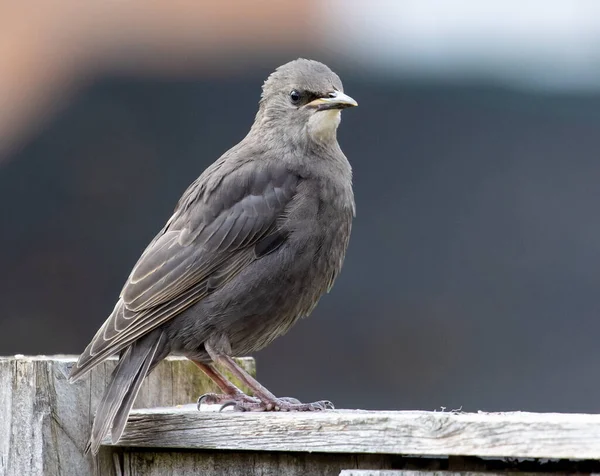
(45, 424)
(514, 435)
(402, 472)
(231, 463)
(45, 421)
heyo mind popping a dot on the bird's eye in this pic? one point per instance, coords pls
(295, 96)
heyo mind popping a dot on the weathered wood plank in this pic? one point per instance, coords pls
(402, 472)
(45, 421)
(231, 463)
(392, 472)
(235, 463)
(426, 472)
(516, 434)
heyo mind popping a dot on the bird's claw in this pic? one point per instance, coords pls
(244, 403)
(205, 398)
(225, 400)
(285, 404)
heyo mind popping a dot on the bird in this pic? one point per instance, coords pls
(252, 245)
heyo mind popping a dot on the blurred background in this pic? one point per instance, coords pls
(473, 274)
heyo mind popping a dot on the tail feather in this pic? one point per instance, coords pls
(127, 378)
(120, 419)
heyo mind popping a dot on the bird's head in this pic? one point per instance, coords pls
(303, 98)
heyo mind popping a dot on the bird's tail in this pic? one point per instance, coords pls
(135, 363)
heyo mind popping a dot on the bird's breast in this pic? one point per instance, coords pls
(282, 286)
(320, 227)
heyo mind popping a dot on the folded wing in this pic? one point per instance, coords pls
(219, 227)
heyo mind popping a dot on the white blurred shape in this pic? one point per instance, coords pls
(542, 43)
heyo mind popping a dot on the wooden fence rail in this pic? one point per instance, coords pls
(45, 423)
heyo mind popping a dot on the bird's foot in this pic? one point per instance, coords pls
(283, 404)
(226, 400)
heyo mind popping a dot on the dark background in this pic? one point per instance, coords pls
(472, 275)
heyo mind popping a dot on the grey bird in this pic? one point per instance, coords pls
(252, 245)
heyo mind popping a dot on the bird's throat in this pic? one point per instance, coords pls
(322, 126)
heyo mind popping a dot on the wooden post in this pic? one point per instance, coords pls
(45, 421)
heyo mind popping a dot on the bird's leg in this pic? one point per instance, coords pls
(230, 391)
(267, 401)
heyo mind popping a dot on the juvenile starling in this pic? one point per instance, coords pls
(252, 245)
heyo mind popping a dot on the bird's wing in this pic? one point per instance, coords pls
(220, 225)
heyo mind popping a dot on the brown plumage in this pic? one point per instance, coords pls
(252, 245)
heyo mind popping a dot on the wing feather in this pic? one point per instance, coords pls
(209, 239)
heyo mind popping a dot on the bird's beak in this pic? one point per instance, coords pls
(333, 100)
